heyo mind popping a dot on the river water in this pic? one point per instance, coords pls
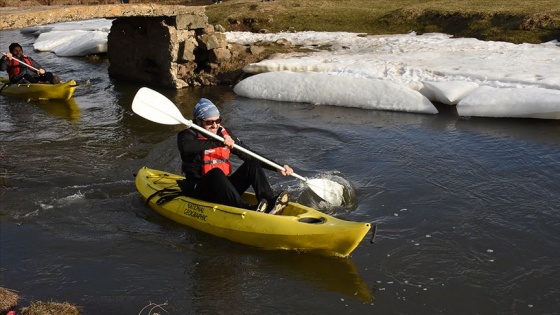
(468, 210)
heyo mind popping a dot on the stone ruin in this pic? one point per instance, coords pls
(172, 51)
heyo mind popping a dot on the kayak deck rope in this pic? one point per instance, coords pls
(166, 195)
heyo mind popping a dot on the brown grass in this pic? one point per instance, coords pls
(507, 20)
(8, 299)
(50, 308)
(28, 3)
(515, 21)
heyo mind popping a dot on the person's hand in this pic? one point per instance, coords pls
(41, 71)
(287, 171)
(9, 55)
(228, 141)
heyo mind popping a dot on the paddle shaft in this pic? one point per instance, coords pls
(23, 63)
(190, 124)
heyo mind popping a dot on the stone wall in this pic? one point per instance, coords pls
(173, 52)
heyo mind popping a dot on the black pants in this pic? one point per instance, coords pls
(46, 77)
(216, 187)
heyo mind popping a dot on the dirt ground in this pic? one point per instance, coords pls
(30, 3)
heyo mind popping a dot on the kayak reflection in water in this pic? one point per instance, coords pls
(207, 168)
(23, 69)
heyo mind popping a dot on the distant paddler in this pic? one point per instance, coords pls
(23, 69)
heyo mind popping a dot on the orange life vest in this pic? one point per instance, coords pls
(217, 157)
(14, 67)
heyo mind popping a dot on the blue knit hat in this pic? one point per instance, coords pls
(205, 109)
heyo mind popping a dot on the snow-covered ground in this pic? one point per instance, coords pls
(407, 72)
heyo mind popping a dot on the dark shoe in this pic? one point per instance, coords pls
(281, 203)
(261, 207)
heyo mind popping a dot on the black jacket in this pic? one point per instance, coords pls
(4, 61)
(191, 148)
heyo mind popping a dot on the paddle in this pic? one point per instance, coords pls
(158, 108)
(25, 64)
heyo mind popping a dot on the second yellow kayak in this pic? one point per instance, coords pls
(38, 91)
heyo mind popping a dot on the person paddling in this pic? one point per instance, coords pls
(23, 69)
(207, 168)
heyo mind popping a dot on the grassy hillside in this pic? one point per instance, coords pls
(505, 20)
(515, 21)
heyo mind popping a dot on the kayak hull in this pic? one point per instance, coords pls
(298, 227)
(40, 91)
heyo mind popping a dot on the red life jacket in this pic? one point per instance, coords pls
(14, 67)
(217, 157)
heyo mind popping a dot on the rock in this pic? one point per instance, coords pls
(219, 55)
(219, 28)
(256, 50)
(213, 41)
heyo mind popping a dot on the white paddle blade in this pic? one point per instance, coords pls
(330, 191)
(157, 108)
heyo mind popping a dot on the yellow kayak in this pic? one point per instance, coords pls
(38, 91)
(297, 227)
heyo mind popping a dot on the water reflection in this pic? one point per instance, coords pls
(329, 273)
(533, 130)
(65, 109)
(323, 116)
(242, 275)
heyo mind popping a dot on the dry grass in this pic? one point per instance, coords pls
(515, 21)
(508, 20)
(50, 308)
(27, 3)
(8, 299)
